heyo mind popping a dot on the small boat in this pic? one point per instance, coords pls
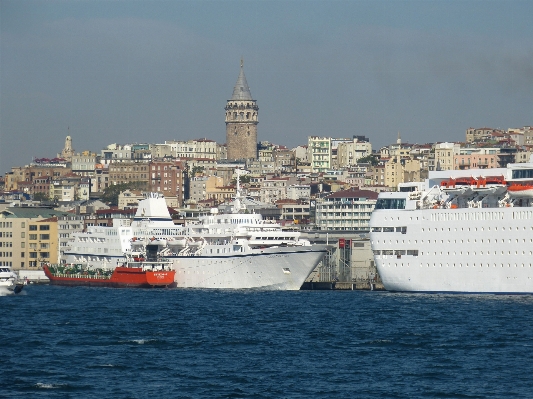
(10, 280)
(137, 272)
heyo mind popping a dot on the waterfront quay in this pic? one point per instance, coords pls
(348, 265)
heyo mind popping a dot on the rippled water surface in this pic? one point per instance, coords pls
(127, 343)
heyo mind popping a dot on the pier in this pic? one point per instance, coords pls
(348, 265)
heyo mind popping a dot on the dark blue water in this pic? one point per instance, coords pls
(127, 343)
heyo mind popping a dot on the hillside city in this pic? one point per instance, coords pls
(327, 184)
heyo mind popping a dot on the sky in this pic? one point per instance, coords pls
(123, 72)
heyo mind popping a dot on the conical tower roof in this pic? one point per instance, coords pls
(241, 91)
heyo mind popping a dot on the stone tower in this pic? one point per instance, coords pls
(67, 151)
(241, 121)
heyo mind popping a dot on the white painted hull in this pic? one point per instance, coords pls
(485, 250)
(275, 269)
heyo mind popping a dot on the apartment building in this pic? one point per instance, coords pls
(479, 134)
(320, 153)
(70, 188)
(348, 153)
(274, 189)
(294, 210)
(116, 153)
(129, 172)
(346, 210)
(284, 160)
(40, 168)
(29, 237)
(299, 192)
(169, 178)
(100, 180)
(198, 148)
(84, 163)
(444, 155)
(477, 158)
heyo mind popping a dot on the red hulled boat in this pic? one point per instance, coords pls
(139, 273)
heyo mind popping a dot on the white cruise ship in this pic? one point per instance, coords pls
(107, 247)
(241, 250)
(467, 231)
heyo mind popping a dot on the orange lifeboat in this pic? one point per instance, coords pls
(521, 190)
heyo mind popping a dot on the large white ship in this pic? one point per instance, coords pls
(240, 250)
(465, 231)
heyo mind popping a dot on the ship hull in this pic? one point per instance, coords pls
(122, 277)
(473, 250)
(268, 269)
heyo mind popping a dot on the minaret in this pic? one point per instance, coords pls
(241, 121)
(399, 140)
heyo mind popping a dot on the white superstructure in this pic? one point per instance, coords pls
(106, 247)
(462, 231)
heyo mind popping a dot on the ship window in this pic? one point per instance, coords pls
(390, 203)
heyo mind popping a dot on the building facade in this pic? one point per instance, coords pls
(346, 210)
(29, 237)
(169, 178)
(320, 153)
(129, 172)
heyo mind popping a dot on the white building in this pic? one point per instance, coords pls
(348, 153)
(346, 210)
(116, 153)
(199, 148)
(299, 192)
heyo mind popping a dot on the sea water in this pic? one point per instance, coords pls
(132, 343)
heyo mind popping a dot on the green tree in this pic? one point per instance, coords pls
(40, 197)
(112, 192)
(371, 159)
(243, 179)
(197, 169)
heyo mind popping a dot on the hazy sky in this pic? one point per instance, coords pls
(149, 71)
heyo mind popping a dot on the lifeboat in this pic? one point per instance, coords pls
(178, 242)
(495, 184)
(521, 190)
(458, 185)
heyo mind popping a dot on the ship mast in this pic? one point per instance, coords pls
(237, 206)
